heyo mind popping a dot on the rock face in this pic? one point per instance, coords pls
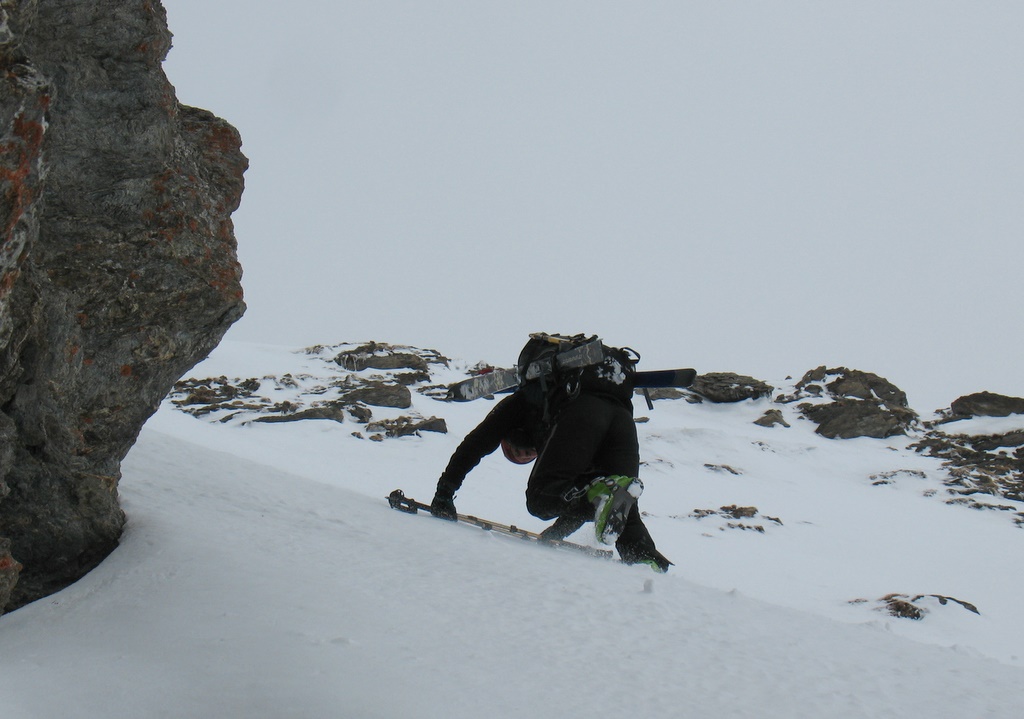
(118, 269)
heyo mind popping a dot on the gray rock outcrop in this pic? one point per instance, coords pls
(118, 269)
(860, 404)
(985, 404)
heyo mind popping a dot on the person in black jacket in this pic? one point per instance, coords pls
(589, 435)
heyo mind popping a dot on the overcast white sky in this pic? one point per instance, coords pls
(759, 187)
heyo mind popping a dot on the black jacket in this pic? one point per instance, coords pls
(513, 416)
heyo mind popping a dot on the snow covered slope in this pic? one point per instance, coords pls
(263, 575)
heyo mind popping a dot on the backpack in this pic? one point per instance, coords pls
(554, 369)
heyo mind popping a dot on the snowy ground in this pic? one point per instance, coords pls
(262, 574)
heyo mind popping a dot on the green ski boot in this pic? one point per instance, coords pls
(613, 499)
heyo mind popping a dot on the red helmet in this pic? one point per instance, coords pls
(517, 453)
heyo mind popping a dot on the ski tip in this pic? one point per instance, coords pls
(685, 377)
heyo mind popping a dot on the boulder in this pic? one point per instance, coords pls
(986, 404)
(407, 426)
(852, 403)
(771, 418)
(866, 386)
(381, 394)
(118, 269)
(332, 411)
(729, 387)
(383, 356)
(846, 418)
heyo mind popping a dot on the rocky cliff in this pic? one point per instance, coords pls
(118, 268)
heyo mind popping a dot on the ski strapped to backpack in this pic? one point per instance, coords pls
(399, 501)
(546, 356)
(568, 353)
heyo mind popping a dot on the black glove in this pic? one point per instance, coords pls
(443, 504)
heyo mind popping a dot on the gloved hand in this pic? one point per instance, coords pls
(443, 504)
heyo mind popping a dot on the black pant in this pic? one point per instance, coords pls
(591, 437)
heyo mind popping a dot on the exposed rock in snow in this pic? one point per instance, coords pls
(908, 606)
(986, 404)
(850, 403)
(340, 383)
(980, 441)
(729, 387)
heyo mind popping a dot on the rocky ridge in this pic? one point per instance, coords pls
(369, 385)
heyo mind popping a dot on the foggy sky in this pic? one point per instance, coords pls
(753, 187)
